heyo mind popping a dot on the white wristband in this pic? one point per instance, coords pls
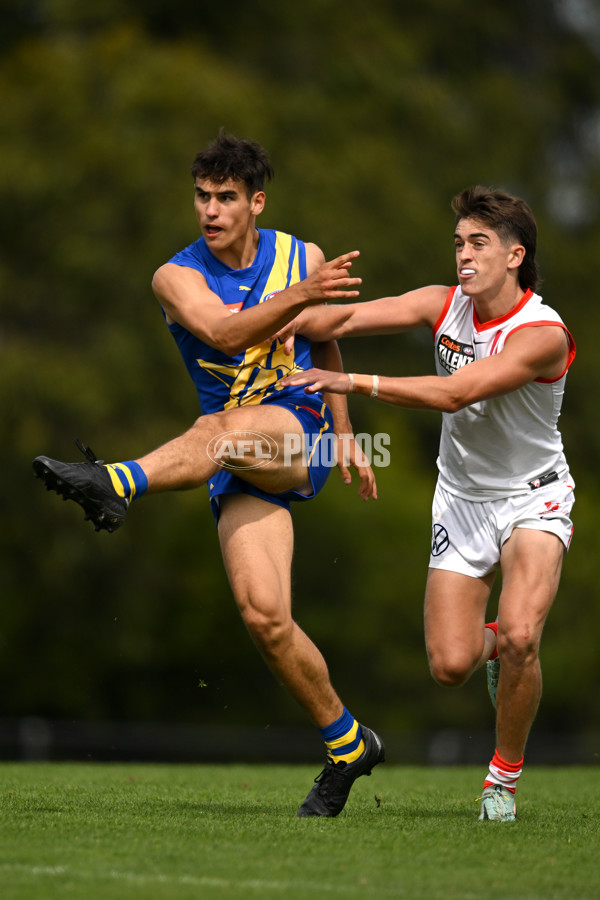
(351, 380)
(375, 388)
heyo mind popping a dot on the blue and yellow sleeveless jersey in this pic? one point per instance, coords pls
(250, 377)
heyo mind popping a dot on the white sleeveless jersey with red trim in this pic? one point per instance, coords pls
(499, 447)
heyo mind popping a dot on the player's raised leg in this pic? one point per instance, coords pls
(105, 491)
(189, 460)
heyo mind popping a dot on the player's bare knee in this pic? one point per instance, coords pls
(210, 425)
(268, 631)
(518, 647)
(450, 671)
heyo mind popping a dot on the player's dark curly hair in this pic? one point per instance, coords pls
(510, 217)
(229, 158)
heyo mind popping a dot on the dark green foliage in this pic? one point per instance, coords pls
(374, 118)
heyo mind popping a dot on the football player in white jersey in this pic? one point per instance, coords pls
(504, 493)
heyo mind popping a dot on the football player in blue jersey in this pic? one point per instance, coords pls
(257, 445)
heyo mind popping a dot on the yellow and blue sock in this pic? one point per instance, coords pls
(128, 479)
(343, 739)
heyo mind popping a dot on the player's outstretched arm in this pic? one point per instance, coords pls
(186, 298)
(387, 315)
(530, 353)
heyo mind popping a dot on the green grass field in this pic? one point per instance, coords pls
(164, 831)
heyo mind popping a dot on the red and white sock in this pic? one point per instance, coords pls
(504, 773)
(494, 627)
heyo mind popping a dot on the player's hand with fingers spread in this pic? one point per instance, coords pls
(331, 280)
(320, 380)
(350, 455)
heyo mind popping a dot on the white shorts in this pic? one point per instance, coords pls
(467, 535)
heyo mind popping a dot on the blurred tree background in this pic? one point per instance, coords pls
(375, 114)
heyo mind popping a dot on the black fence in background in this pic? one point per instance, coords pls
(38, 739)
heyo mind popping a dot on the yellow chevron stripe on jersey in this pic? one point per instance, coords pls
(253, 375)
(278, 276)
(263, 366)
(260, 372)
(250, 382)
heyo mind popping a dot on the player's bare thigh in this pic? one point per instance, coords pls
(531, 562)
(242, 429)
(455, 606)
(257, 543)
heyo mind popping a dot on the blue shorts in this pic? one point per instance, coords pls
(316, 419)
